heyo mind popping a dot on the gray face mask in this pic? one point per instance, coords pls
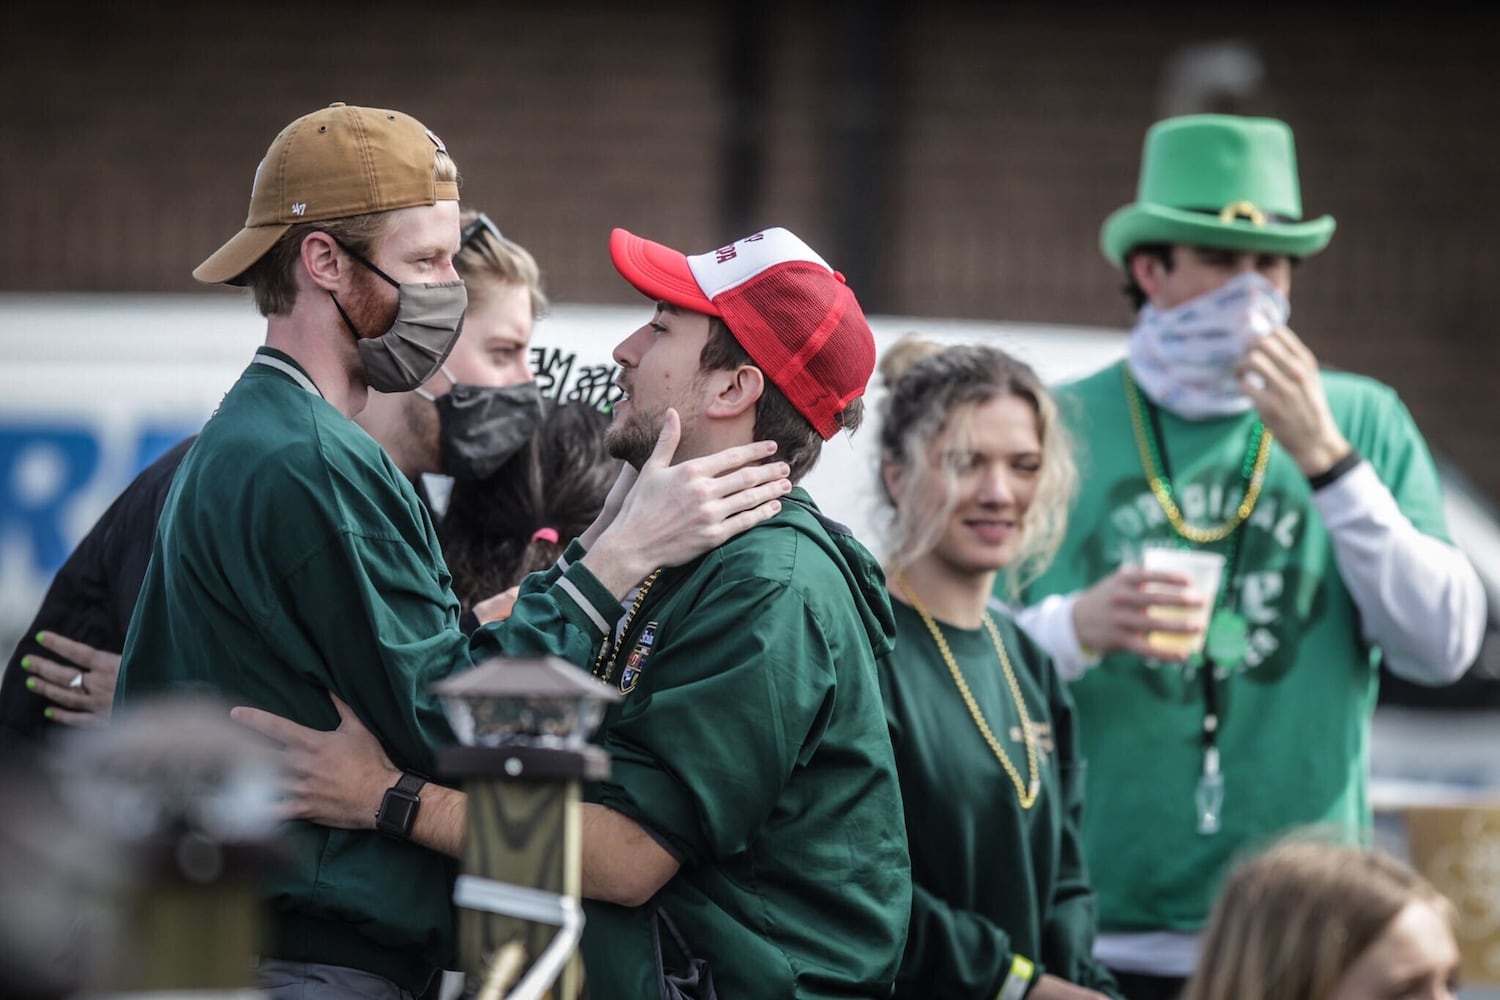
(482, 426)
(429, 318)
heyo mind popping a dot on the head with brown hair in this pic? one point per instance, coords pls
(1301, 921)
(340, 170)
(770, 312)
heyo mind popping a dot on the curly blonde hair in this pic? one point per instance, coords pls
(931, 388)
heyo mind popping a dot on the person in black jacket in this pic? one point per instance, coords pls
(83, 618)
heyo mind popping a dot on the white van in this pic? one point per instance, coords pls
(93, 387)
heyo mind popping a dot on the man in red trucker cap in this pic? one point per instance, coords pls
(752, 802)
(294, 561)
(751, 749)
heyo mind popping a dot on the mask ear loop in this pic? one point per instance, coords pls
(421, 390)
(365, 261)
(361, 258)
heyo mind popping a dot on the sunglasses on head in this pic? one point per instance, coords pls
(473, 229)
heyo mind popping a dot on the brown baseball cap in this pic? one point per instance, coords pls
(332, 164)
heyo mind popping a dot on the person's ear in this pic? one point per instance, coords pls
(1148, 270)
(324, 262)
(890, 476)
(736, 391)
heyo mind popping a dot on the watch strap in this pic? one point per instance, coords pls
(411, 783)
(1338, 470)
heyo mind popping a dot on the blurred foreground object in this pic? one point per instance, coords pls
(524, 725)
(130, 864)
(1457, 848)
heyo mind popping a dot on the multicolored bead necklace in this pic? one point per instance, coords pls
(1252, 471)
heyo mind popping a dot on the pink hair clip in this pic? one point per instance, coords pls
(545, 535)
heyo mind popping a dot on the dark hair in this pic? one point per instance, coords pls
(1164, 253)
(776, 419)
(558, 480)
(1133, 291)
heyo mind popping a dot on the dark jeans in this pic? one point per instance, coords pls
(282, 980)
(1135, 986)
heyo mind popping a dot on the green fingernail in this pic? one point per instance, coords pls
(41, 639)
(31, 683)
(47, 715)
(25, 663)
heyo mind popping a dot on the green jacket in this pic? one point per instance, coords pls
(292, 559)
(752, 745)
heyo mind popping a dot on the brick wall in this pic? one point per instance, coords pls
(128, 141)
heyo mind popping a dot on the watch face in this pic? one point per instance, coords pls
(398, 810)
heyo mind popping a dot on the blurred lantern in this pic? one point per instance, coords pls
(187, 799)
(524, 726)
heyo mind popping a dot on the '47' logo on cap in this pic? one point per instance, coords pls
(299, 208)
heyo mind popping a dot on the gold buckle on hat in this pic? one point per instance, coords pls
(1235, 210)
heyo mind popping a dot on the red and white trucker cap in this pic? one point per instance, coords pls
(790, 311)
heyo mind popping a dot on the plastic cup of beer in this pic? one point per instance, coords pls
(1204, 570)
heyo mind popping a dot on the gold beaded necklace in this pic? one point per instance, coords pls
(1027, 792)
(1253, 472)
(613, 648)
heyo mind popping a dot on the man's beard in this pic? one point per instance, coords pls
(633, 438)
(372, 304)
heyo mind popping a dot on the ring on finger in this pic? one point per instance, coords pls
(77, 682)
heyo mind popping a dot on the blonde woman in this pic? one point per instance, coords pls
(978, 474)
(1321, 921)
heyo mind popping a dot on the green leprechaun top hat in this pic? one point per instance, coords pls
(1217, 181)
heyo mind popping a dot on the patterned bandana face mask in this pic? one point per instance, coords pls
(429, 319)
(1183, 358)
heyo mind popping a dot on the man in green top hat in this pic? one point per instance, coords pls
(1215, 719)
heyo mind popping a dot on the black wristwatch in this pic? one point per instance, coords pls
(398, 810)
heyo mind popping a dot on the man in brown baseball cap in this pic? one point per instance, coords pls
(752, 803)
(293, 560)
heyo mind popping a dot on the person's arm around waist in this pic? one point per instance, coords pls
(337, 778)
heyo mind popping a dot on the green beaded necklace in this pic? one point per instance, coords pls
(1252, 471)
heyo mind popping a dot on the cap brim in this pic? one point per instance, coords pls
(1136, 225)
(230, 262)
(657, 272)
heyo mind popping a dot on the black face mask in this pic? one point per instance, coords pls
(482, 426)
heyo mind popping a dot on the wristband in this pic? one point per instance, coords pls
(1334, 472)
(1021, 972)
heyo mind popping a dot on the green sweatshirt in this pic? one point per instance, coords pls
(992, 882)
(292, 559)
(752, 745)
(1294, 716)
